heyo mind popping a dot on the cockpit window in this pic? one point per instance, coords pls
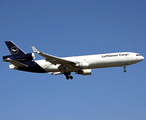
(138, 55)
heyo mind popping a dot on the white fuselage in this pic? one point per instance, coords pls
(95, 61)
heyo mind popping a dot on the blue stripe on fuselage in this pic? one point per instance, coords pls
(32, 67)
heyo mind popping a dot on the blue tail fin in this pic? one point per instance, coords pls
(14, 49)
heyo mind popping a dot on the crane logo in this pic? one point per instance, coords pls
(14, 50)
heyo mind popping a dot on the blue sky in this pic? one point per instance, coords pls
(68, 28)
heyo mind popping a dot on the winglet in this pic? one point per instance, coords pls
(35, 50)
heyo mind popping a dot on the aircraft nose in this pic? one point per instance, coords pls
(142, 58)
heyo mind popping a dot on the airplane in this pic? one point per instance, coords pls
(81, 65)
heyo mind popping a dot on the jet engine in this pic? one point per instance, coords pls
(82, 65)
(85, 72)
(29, 56)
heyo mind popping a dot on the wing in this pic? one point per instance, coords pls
(53, 59)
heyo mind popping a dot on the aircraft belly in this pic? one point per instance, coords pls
(97, 64)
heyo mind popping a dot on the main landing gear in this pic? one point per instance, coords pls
(124, 69)
(68, 75)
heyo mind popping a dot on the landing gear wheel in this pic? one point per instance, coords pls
(71, 77)
(125, 71)
(67, 75)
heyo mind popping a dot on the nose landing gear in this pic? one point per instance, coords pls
(124, 69)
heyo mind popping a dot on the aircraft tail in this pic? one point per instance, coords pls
(17, 55)
(14, 49)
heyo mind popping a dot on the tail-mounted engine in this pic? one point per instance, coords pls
(85, 72)
(25, 57)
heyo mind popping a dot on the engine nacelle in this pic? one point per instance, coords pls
(29, 56)
(82, 65)
(85, 72)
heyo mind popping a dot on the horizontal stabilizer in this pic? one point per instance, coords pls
(16, 63)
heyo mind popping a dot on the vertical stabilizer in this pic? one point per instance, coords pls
(14, 49)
